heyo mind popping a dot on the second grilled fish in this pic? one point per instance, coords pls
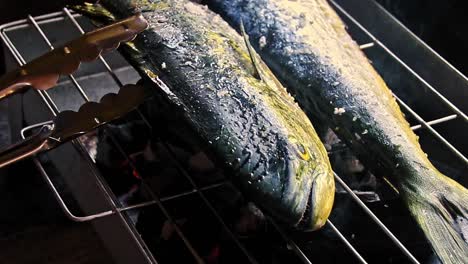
(306, 45)
(251, 122)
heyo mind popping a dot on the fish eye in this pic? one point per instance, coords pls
(302, 151)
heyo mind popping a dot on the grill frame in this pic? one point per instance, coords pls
(115, 209)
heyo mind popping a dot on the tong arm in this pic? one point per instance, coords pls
(68, 125)
(43, 73)
(28, 147)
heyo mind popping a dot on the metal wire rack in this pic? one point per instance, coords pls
(116, 209)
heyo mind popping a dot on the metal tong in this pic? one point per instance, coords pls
(43, 73)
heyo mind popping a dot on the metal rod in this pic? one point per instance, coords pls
(25, 129)
(106, 213)
(436, 121)
(158, 201)
(169, 198)
(47, 41)
(20, 60)
(432, 130)
(290, 242)
(94, 75)
(87, 218)
(347, 243)
(366, 46)
(458, 72)
(62, 204)
(44, 19)
(205, 188)
(441, 120)
(112, 201)
(376, 220)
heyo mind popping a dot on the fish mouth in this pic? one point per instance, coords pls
(295, 191)
(319, 204)
(307, 216)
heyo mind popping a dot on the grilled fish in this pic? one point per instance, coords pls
(206, 74)
(306, 45)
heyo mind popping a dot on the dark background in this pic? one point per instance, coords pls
(441, 24)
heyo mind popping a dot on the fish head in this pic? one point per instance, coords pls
(291, 180)
(310, 182)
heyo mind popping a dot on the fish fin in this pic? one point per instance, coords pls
(251, 51)
(441, 210)
(262, 72)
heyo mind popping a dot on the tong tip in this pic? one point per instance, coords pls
(43, 73)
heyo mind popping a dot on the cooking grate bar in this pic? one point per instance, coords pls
(367, 45)
(348, 245)
(16, 54)
(436, 121)
(103, 62)
(432, 130)
(43, 19)
(46, 40)
(290, 243)
(458, 72)
(429, 86)
(376, 219)
(74, 218)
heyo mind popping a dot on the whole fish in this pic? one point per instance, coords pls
(206, 75)
(306, 45)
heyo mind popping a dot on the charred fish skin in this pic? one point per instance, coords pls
(306, 45)
(252, 123)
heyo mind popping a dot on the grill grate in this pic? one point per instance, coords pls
(37, 22)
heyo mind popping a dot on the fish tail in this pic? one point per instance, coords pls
(440, 206)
